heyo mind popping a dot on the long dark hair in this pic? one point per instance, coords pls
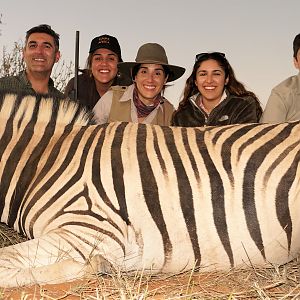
(234, 87)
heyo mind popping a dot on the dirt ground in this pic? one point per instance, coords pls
(250, 283)
(271, 283)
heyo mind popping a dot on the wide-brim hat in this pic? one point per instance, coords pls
(152, 53)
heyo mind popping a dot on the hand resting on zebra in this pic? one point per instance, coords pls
(136, 197)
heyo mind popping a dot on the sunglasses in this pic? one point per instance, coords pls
(200, 55)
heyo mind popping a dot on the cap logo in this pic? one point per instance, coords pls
(103, 40)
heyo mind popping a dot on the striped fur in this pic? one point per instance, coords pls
(141, 197)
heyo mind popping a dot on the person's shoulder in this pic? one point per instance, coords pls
(12, 84)
(290, 83)
(9, 79)
(241, 101)
(188, 106)
(118, 88)
(167, 103)
(165, 100)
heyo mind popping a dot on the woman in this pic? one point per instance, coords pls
(214, 97)
(101, 71)
(143, 101)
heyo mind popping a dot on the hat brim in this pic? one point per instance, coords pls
(175, 71)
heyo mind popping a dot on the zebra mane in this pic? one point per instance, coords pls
(43, 109)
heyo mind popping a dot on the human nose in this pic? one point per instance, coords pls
(39, 49)
(209, 78)
(150, 76)
(104, 61)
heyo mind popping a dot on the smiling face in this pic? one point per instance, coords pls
(210, 81)
(40, 53)
(150, 80)
(104, 65)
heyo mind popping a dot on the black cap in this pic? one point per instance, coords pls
(108, 42)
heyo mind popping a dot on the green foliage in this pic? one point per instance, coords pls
(11, 64)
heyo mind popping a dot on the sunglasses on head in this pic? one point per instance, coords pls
(198, 56)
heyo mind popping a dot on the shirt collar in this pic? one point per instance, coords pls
(25, 80)
(193, 99)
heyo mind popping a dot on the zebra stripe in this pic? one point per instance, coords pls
(141, 197)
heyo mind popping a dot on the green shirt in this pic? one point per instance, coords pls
(20, 83)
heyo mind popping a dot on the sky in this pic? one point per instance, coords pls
(255, 35)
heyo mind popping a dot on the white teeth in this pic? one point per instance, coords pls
(209, 87)
(39, 59)
(150, 87)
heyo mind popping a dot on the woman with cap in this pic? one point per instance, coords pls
(143, 101)
(214, 97)
(101, 71)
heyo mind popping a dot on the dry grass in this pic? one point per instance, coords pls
(263, 283)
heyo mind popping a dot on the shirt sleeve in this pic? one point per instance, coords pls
(275, 110)
(102, 108)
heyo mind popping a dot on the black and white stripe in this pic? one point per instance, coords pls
(141, 197)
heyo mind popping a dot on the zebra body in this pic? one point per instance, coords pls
(142, 197)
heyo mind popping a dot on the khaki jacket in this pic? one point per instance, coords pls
(121, 108)
(284, 102)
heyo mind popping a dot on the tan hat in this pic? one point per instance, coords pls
(152, 53)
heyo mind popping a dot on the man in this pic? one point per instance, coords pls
(40, 53)
(101, 71)
(284, 102)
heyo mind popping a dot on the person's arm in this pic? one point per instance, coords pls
(249, 111)
(275, 110)
(102, 108)
(69, 91)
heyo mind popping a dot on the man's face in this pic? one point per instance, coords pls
(40, 53)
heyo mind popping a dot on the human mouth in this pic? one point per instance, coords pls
(39, 59)
(149, 87)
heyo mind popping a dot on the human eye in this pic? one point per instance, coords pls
(112, 58)
(159, 73)
(31, 45)
(97, 58)
(218, 73)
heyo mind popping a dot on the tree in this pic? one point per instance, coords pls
(12, 63)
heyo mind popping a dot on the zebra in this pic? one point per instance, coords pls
(141, 198)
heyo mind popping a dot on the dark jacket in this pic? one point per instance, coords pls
(87, 93)
(232, 110)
